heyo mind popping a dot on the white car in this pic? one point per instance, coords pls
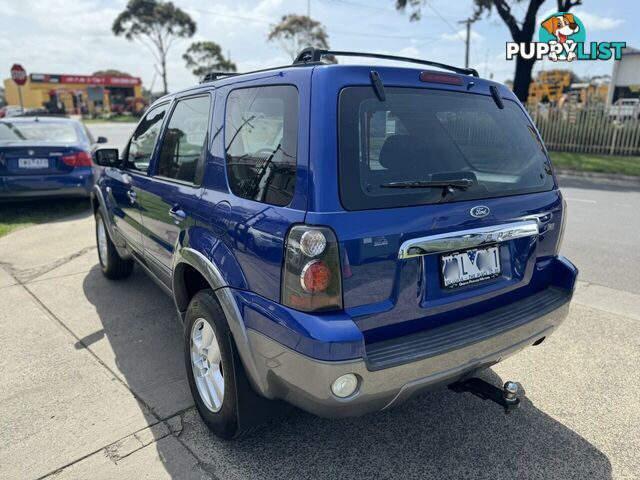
(11, 111)
(625, 108)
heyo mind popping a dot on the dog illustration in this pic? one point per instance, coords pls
(561, 27)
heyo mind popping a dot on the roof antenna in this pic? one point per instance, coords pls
(495, 93)
(378, 86)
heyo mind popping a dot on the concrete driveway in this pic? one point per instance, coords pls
(93, 386)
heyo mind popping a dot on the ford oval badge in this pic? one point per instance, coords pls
(479, 211)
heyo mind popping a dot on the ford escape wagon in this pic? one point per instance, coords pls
(339, 237)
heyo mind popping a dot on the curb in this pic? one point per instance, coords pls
(600, 176)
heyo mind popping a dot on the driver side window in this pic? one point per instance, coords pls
(144, 139)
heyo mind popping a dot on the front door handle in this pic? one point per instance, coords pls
(177, 214)
(133, 196)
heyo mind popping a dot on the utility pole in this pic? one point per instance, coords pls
(308, 23)
(468, 23)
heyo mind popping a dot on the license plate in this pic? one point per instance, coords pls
(470, 266)
(33, 163)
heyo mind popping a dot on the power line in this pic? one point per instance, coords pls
(359, 5)
(376, 35)
(331, 31)
(236, 17)
(453, 29)
(371, 7)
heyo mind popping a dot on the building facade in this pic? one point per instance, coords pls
(625, 78)
(78, 94)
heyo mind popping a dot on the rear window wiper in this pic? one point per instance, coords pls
(449, 185)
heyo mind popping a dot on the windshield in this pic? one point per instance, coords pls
(40, 131)
(434, 138)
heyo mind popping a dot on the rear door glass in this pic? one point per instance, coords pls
(435, 136)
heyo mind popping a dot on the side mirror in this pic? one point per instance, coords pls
(107, 157)
(102, 140)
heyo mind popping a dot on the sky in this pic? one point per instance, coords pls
(74, 36)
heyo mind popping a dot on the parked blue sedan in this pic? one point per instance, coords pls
(45, 157)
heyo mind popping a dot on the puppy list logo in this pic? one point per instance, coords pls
(563, 38)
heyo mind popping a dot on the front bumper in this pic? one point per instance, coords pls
(391, 372)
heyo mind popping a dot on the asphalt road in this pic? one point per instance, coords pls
(93, 383)
(603, 231)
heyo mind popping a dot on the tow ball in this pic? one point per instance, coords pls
(507, 396)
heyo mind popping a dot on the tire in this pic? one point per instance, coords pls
(113, 265)
(224, 416)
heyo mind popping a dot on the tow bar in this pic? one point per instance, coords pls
(507, 397)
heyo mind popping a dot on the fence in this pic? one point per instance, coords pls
(587, 129)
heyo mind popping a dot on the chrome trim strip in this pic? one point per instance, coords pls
(446, 242)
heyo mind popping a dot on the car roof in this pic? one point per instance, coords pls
(310, 59)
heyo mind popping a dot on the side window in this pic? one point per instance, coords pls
(261, 140)
(183, 144)
(144, 139)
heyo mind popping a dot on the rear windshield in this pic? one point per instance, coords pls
(422, 135)
(40, 131)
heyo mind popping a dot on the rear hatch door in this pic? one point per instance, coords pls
(451, 207)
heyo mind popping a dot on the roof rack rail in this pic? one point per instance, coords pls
(211, 76)
(314, 55)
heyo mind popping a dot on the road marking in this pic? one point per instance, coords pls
(583, 200)
(625, 205)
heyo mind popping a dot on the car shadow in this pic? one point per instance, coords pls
(439, 434)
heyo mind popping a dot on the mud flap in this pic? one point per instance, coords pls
(253, 409)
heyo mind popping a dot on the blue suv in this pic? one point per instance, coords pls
(339, 237)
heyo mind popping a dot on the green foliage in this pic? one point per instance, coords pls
(204, 57)
(296, 32)
(17, 215)
(583, 162)
(157, 25)
(154, 19)
(112, 72)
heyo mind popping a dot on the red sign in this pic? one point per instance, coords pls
(106, 80)
(18, 74)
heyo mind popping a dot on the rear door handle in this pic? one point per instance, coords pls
(177, 214)
(133, 196)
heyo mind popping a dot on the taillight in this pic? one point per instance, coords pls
(78, 159)
(311, 276)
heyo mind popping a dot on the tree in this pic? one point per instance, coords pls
(111, 72)
(295, 32)
(204, 57)
(157, 25)
(520, 31)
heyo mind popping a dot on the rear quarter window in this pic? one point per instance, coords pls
(433, 135)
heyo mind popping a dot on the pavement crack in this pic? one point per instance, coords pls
(128, 445)
(24, 275)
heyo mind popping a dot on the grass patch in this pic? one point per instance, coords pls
(596, 163)
(115, 119)
(15, 215)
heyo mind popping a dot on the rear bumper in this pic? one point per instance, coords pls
(77, 183)
(390, 373)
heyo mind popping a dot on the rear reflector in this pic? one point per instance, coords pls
(447, 78)
(78, 159)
